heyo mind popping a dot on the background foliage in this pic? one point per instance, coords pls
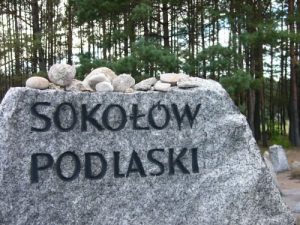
(251, 47)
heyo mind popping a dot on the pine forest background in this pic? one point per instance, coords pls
(251, 46)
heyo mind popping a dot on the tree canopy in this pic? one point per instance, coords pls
(251, 47)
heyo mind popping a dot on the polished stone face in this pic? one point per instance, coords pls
(179, 157)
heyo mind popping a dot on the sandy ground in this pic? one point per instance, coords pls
(291, 187)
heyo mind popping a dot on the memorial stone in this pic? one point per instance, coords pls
(186, 156)
(278, 158)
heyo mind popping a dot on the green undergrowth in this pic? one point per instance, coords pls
(282, 140)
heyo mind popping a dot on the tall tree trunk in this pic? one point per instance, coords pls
(70, 33)
(51, 34)
(36, 34)
(38, 58)
(271, 102)
(17, 42)
(165, 23)
(104, 40)
(202, 36)
(294, 119)
(298, 59)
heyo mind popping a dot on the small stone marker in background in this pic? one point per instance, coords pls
(278, 158)
(185, 156)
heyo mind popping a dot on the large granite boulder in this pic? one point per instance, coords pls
(177, 157)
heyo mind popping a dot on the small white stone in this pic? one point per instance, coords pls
(37, 83)
(103, 70)
(159, 86)
(295, 165)
(172, 78)
(78, 85)
(189, 82)
(104, 87)
(55, 87)
(94, 78)
(62, 74)
(129, 90)
(123, 82)
(146, 84)
(297, 208)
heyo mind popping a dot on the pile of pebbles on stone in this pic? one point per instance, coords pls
(103, 79)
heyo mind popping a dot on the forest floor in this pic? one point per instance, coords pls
(291, 187)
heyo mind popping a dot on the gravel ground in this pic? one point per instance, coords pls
(291, 187)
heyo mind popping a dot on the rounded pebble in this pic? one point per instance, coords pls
(189, 82)
(123, 82)
(103, 70)
(94, 78)
(172, 78)
(104, 87)
(37, 83)
(78, 85)
(145, 85)
(159, 86)
(62, 74)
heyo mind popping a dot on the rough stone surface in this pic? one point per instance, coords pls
(271, 168)
(278, 158)
(55, 87)
(104, 87)
(172, 78)
(62, 74)
(145, 85)
(94, 78)
(160, 86)
(189, 82)
(129, 90)
(233, 185)
(37, 83)
(103, 70)
(297, 208)
(123, 82)
(295, 165)
(78, 85)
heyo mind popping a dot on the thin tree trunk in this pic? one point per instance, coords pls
(70, 33)
(165, 25)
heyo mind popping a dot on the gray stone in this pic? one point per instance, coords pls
(129, 90)
(61, 74)
(189, 82)
(172, 78)
(226, 183)
(123, 82)
(78, 85)
(160, 86)
(145, 85)
(37, 83)
(278, 158)
(295, 165)
(271, 168)
(104, 87)
(103, 70)
(94, 78)
(55, 87)
(297, 208)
